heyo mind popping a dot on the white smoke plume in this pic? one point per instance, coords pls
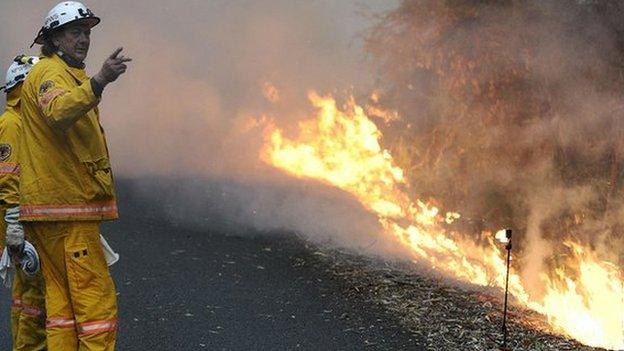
(179, 114)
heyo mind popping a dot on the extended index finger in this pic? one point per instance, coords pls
(115, 53)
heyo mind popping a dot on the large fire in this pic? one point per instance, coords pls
(341, 147)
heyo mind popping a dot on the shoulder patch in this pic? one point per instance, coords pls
(45, 86)
(5, 152)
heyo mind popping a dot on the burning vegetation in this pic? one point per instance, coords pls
(502, 114)
(341, 147)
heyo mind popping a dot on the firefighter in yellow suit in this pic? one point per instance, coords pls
(66, 184)
(28, 307)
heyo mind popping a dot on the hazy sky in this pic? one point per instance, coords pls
(199, 66)
(196, 79)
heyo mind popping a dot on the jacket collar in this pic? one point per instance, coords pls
(78, 73)
(13, 98)
(70, 61)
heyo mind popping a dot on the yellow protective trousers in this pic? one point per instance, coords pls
(28, 313)
(80, 294)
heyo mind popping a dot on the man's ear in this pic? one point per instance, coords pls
(56, 38)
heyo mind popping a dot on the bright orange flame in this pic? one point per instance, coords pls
(341, 147)
(375, 110)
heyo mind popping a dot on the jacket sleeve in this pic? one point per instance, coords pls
(62, 102)
(9, 166)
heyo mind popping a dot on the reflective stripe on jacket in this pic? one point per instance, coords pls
(65, 171)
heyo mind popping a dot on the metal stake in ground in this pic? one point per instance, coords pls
(508, 247)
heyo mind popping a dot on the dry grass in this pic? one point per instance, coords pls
(440, 313)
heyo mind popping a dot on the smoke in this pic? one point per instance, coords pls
(178, 121)
(510, 110)
(511, 115)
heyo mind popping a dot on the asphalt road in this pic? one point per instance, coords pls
(186, 289)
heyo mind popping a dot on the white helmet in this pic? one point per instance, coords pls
(19, 69)
(65, 13)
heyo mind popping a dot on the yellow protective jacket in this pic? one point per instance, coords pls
(9, 168)
(10, 126)
(64, 164)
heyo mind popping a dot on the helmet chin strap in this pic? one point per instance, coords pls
(73, 62)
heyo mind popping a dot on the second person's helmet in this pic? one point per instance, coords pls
(18, 70)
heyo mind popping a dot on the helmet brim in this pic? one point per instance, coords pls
(91, 21)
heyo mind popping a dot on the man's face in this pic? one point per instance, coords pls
(74, 40)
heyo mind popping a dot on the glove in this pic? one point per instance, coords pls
(14, 233)
(18, 249)
(30, 264)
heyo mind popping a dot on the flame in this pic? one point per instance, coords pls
(270, 92)
(341, 147)
(375, 110)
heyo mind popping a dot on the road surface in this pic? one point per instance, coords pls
(185, 289)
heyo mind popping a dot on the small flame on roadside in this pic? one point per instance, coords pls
(451, 217)
(375, 96)
(341, 147)
(375, 110)
(270, 92)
